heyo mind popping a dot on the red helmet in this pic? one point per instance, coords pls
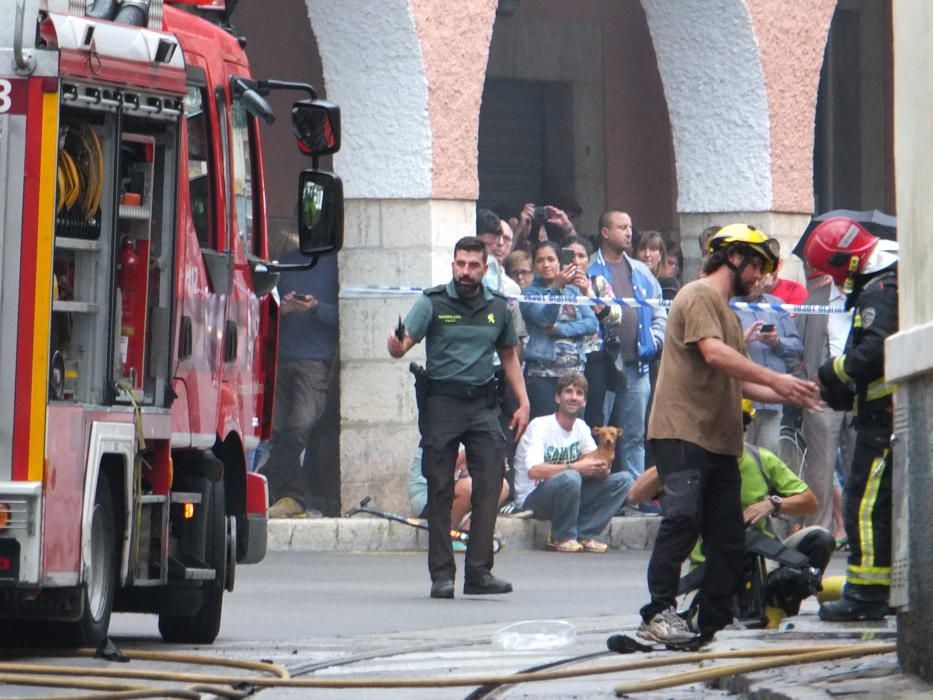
(839, 247)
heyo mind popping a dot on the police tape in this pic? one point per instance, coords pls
(376, 292)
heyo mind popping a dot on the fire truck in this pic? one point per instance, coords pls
(137, 310)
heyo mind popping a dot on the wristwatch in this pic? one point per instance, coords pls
(776, 502)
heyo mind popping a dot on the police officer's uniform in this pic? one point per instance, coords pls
(868, 497)
(461, 406)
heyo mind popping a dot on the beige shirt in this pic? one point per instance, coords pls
(693, 401)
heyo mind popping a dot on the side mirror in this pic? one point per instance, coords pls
(317, 127)
(320, 213)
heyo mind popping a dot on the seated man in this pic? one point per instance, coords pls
(463, 488)
(769, 487)
(559, 476)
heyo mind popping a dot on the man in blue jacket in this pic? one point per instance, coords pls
(634, 342)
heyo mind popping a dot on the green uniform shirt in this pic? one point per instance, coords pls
(754, 488)
(462, 334)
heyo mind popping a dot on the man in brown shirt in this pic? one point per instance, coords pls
(696, 433)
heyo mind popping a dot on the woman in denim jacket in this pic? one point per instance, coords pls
(557, 334)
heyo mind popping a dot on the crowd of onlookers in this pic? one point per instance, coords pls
(617, 347)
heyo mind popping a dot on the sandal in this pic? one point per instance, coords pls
(842, 544)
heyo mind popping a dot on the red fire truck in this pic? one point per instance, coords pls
(137, 312)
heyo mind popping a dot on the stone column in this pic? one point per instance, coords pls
(407, 242)
(906, 361)
(408, 76)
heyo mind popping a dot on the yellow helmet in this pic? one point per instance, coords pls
(749, 236)
(748, 411)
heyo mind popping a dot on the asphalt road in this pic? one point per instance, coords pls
(301, 595)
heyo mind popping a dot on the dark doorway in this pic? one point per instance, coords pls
(853, 155)
(525, 145)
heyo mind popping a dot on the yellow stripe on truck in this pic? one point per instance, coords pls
(43, 290)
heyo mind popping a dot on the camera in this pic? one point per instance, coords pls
(767, 327)
(565, 256)
(540, 215)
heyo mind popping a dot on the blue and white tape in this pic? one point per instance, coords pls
(376, 292)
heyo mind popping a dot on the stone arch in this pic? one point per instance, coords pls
(713, 79)
(373, 69)
(741, 82)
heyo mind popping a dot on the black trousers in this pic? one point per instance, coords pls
(450, 421)
(867, 512)
(701, 497)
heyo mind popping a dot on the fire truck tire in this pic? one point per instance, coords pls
(99, 587)
(202, 626)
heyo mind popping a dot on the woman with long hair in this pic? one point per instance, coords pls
(557, 333)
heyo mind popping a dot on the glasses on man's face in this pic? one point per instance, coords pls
(519, 273)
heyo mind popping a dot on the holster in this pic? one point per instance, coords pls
(421, 394)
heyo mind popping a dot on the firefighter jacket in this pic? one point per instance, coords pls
(858, 373)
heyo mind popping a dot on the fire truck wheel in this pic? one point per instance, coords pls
(203, 625)
(100, 584)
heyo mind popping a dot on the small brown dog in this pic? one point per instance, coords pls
(607, 438)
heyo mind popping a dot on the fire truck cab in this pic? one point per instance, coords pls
(137, 311)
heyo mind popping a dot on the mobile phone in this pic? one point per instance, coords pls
(565, 256)
(540, 215)
(301, 297)
(767, 327)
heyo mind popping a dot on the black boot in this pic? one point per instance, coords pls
(851, 610)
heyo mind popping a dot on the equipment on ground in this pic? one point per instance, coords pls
(793, 577)
(457, 535)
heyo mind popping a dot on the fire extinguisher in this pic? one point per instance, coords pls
(128, 277)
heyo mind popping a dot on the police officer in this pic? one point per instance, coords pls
(865, 268)
(465, 324)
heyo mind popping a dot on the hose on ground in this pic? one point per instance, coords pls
(25, 674)
(708, 674)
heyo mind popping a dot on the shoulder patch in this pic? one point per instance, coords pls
(868, 316)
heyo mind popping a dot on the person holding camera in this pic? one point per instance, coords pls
(773, 341)
(557, 333)
(537, 224)
(634, 342)
(307, 346)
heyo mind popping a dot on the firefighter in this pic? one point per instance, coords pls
(865, 268)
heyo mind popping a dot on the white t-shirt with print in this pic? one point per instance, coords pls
(546, 442)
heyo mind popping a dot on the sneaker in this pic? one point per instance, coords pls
(513, 510)
(594, 546)
(287, 507)
(649, 507)
(567, 546)
(667, 627)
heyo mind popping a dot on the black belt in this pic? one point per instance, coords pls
(461, 391)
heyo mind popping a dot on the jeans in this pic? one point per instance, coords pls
(634, 405)
(541, 391)
(300, 399)
(701, 497)
(578, 508)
